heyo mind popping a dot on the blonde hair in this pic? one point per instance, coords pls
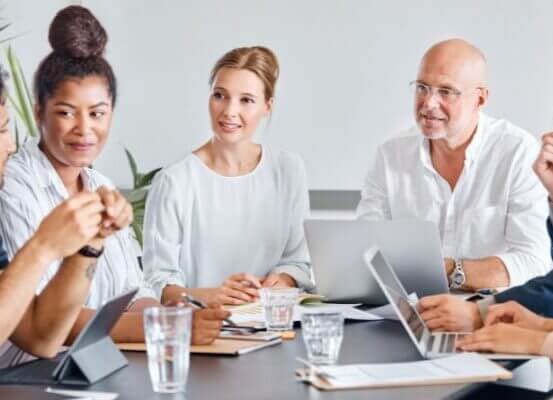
(257, 59)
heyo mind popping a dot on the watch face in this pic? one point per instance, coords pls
(458, 279)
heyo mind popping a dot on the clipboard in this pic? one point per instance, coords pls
(225, 347)
(457, 369)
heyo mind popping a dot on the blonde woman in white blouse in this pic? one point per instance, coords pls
(227, 219)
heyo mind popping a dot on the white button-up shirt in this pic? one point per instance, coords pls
(497, 208)
(201, 227)
(32, 189)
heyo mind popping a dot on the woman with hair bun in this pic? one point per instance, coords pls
(227, 220)
(75, 92)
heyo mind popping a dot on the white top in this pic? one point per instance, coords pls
(201, 227)
(32, 189)
(498, 207)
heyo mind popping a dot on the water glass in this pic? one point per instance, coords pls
(322, 333)
(168, 333)
(278, 306)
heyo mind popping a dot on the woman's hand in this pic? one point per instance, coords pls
(206, 324)
(238, 289)
(503, 338)
(71, 225)
(512, 312)
(278, 280)
(118, 211)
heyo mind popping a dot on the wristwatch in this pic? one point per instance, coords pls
(457, 278)
(91, 252)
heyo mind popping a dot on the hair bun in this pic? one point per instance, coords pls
(76, 32)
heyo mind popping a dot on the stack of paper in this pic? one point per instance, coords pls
(461, 368)
(253, 313)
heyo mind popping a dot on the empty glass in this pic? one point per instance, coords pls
(278, 306)
(168, 333)
(322, 333)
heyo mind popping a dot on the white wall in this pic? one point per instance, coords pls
(346, 66)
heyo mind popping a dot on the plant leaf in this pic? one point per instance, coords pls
(16, 128)
(23, 102)
(132, 164)
(146, 179)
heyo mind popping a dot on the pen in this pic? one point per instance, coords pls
(200, 304)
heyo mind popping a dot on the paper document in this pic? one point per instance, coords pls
(83, 394)
(253, 313)
(466, 367)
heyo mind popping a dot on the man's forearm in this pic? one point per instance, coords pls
(18, 284)
(51, 315)
(489, 272)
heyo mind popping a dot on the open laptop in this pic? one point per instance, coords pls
(91, 357)
(337, 246)
(429, 345)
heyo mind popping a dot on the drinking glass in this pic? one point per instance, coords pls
(168, 332)
(322, 333)
(278, 306)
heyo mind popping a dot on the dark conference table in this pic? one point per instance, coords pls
(269, 373)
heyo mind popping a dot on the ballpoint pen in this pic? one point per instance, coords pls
(232, 326)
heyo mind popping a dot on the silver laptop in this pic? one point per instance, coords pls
(337, 246)
(429, 345)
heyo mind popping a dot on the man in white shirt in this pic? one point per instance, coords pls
(468, 173)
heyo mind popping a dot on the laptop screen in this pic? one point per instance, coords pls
(396, 292)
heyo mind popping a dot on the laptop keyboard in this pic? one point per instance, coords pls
(444, 343)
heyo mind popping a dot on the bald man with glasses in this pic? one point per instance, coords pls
(468, 173)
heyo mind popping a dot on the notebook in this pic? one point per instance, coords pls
(229, 347)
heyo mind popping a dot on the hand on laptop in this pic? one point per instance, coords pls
(543, 166)
(444, 312)
(238, 289)
(206, 324)
(503, 338)
(515, 314)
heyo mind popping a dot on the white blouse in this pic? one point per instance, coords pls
(32, 189)
(201, 227)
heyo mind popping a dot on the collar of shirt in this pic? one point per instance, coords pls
(473, 149)
(47, 174)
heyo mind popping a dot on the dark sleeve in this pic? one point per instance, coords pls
(537, 293)
(550, 231)
(3, 257)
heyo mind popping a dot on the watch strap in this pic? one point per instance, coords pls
(91, 252)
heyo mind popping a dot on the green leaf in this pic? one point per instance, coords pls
(22, 97)
(146, 179)
(16, 135)
(132, 164)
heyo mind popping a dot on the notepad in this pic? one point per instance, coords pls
(228, 347)
(252, 313)
(461, 368)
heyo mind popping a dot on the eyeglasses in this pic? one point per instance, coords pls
(445, 94)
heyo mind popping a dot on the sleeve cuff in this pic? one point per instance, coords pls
(547, 347)
(302, 279)
(483, 306)
(516, 277)
(550, 209)
(160, 284)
